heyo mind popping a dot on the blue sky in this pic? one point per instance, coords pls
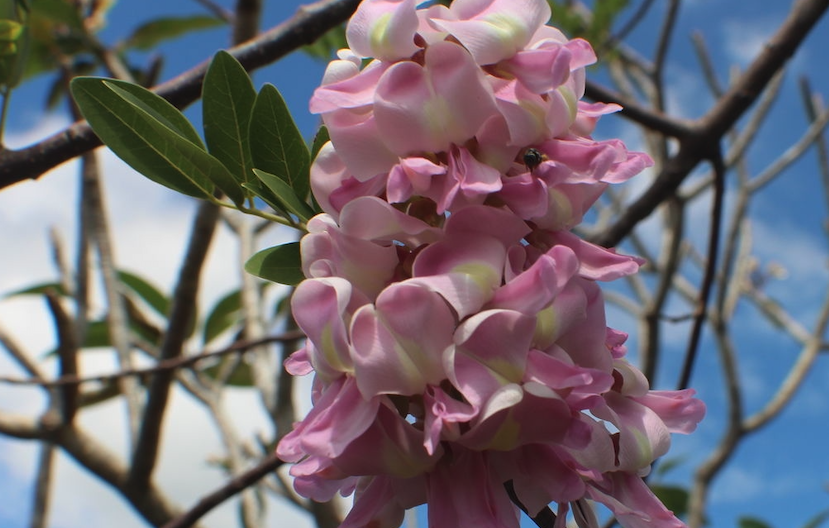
(778, 475)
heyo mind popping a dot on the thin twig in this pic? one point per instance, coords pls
(182, 313)
(709, 130)
(231, 488)
(43, 485)
(631, 24)
(163, 365)
(710, 272)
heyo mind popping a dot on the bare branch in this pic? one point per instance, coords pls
(20, 355)
(182, 315)
(231, 488)
(163, 365)
(117, 321)
(43, 483)
(709, 130)
(710, 273)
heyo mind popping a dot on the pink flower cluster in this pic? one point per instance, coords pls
(455, 326)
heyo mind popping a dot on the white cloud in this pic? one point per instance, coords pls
(745, 38)
(151, 226)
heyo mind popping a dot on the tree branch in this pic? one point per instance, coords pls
(310, 22)
(231, 488)
(181, 318)
(709, 130)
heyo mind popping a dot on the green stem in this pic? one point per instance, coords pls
(5, 93)
(261, 214)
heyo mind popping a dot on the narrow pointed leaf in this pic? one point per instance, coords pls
(752, 522)
(675, 498)
(37, 289)
(320, 138)
(261, 191)
(227, 101)
(276, 144)
(141, 130)
(149, 35)
(280, 264)
(225, 313)
(147, 292)
(286, 195)
(157, 107)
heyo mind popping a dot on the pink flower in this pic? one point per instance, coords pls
(455, 327)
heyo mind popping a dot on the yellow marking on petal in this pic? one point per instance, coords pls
(437, 116)
(509, 29)
(482, 275)
(644, 448)
(329, 350)
(571, 100)
(546, 328)
(379, 34)
(506, 438)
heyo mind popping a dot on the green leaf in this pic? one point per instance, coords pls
(276, 145)
(38, 289)
(97, 335)
(57, 11)
(327, 45)
(225, 313)
(320, 138)
(149, 134)
(149, 35)
(227, 101)
(281, 264)
(752, 522)
(261, 191)
(675, 498)
(286, 195)
(667, 464)
(240, 376)
(146, 291)
(156, 107)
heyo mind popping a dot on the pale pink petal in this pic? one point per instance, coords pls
(392, 353)
(316, 478)
(430, 107)
(643, 436)
(443, 414)
(491, 351)
(414, 176)
(374, 505)
(329, 252)
(383, 29)
(338, 417)
(680, 411)
(389, 446)
(359, 143)
(370, 218)
(632, 502)
(540, 69)
(319, 307)
(347, 91)
(463, 491)
(525, 195)
(298, 364)
(540, 474)
(596, 263)
(494, 30)
(537, 287)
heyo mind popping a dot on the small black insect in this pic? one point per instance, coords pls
(533, 158)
